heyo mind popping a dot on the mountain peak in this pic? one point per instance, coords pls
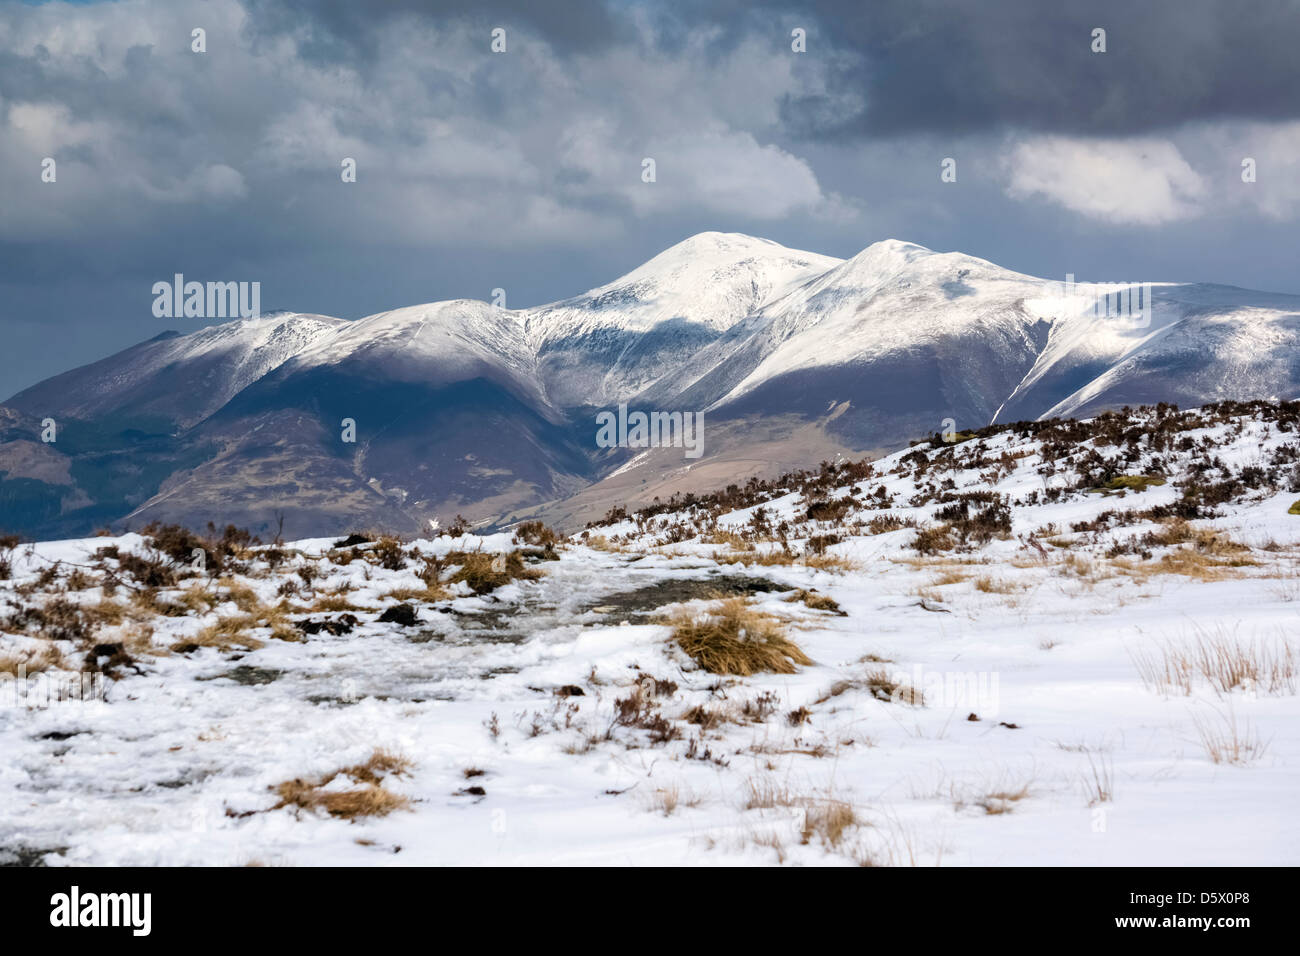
(890, 255)
(713, 239)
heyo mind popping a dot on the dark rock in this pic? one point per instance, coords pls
(332, 626)
(403, 614)
(570, 690)
(248, 676)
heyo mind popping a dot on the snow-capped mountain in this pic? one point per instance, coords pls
(609, 344)
(178, 379)
(464, 407)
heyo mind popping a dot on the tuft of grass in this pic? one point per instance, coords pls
(668, 799)
(1002, 801)
(829, 562)
(335, 602)
(829, 820)
(1228, 742)
(369, 799)
(814, 601)
(734, 638)
(1125, 483)
(1099, 785)
(487, 572)
(888, 688)
(225, 634)
(429, 594)
(37, 661)
(1223, 661)
(766, 559)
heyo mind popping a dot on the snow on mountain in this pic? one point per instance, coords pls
(1206, 343)
(613, 341)
(474, 408)
(901, 329)
(178, 379)
(439, 342)
(892, 296)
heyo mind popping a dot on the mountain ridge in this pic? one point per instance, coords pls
(461, 406)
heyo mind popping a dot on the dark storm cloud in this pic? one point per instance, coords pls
(348, 30)
(523, 171)
(954, 66)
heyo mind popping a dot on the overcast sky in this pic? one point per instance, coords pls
(522, 170)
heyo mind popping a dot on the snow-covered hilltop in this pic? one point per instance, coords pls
(463, 407)
(1057, 642)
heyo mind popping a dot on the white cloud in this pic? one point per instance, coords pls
(1143, 181)
(1275, 148)
(452, 143)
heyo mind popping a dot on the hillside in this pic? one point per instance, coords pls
(1044, 642)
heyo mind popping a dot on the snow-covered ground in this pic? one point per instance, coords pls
(555, 719)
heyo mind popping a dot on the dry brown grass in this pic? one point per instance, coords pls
(1099, 784)
(948, 576)
(1002, 801)
(428, 594)
(36, 661)
(106, 612)
(996, 794)
(734, 638)
(239, 594)
(879, 683)
(829, 562)
(668, 799)
(370, 799)
(765, 559)
(487, 572)
(991, 585)
(198, 600)
(335, 602)
(1199, 565)
(1085, 568)
(885, 687)
(814, 601)
(225, 634)
(782, 558)
(1228, 742)
(232, 631)
(137, 639)
(766, 794)
(771, 840)
(828, 819)
(937, 562)
(730, 538)
(1223, 660)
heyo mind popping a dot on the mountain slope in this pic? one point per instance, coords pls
(606, 345)
(448, 418)
(462, 407)
(174, 380)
